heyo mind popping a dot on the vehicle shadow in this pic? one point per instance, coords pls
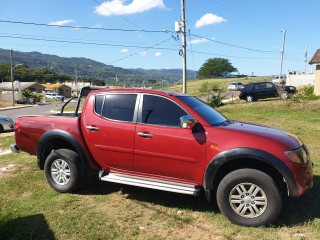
(301, 210)
(294, 210)
(30, 227)
(145, 195)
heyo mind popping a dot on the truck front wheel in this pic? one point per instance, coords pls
(249, 197)
(63, 170)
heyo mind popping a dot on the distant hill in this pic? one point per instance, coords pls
(92, 69)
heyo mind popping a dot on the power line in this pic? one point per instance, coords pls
(232, 45)
(83, 27)
(79, 40)
(230, 56)
(85, 43)
(131, 55)
(129, 30)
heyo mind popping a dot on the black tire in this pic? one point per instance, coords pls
(64, 171)
(1, 129)
(253, 194)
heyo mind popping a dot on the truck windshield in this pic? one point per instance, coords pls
(208, 113)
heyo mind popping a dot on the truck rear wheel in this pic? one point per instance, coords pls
(249, 197)
(63, 170)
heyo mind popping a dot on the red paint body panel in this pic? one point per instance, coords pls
(112, 146)
(172, 152)
(31, 128)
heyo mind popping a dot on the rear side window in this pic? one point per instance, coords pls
(116, 106)
(161, 111)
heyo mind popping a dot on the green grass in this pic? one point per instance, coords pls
(30, 209)
(5, 142)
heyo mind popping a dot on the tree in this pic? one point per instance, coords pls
(27, 94)
(215, 67)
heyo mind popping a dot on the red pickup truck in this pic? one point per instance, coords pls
(172, 142)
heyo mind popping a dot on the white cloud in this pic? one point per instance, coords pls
(209, 19)
(198, 41)
(143, 53)
(118, 7)
(61, 22)
(158, 54)
(124, 50)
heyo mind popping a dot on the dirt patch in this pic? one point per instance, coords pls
(6, 170)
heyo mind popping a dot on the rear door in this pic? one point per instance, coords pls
(108, 127)
(162, 147)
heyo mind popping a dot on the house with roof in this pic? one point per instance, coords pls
(316, 60)
(18, 87)
(62, 89)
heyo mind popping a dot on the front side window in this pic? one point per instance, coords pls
(161, 111)
(116, 106)
(212, 116)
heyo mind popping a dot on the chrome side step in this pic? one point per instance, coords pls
(150, 183)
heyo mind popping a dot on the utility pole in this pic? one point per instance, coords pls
(282, 52)
(306, 60)
(184, 48)
(76, 80)
(11, 68)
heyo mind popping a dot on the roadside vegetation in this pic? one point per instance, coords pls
(30, 209)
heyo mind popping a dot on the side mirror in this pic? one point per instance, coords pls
(187, 121)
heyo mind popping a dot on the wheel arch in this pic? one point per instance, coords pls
(239, 158)
(57, 139)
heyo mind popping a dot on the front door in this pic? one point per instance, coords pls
(163, 148)
(108, 128)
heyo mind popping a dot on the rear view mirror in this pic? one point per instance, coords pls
(187, 121)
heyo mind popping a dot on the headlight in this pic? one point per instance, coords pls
(298, 156)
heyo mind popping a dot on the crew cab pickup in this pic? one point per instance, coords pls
(172, 142)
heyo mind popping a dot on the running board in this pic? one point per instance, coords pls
(150, 183)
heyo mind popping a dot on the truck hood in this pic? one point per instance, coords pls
(285, 138)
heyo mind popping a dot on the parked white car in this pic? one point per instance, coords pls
(55, 96)
(235, 86)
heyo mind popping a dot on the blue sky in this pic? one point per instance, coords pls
(246, 32)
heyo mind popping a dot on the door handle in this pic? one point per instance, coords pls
(92, 128)
(145, 135)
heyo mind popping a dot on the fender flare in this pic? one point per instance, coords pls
(236, 153)
(56, 135)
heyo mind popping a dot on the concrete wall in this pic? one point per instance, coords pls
(7, 96)
(300, 79)
(317, 82)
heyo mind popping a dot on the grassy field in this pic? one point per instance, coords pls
(30, 209)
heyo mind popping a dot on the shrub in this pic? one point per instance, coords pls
(307, 93)
(213, 93)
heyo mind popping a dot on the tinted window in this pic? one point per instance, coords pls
(98, 103)
(260, 85)
(269, 85)
(247, 87)
(208, 113)
(161, 111)
(116, 106)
